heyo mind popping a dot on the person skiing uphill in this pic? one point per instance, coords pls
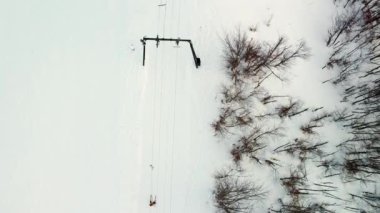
(151, 201)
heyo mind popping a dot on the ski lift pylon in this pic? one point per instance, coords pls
(197, 60)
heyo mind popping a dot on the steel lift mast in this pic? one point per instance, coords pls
(197, 60)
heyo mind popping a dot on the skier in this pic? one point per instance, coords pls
(151, 201)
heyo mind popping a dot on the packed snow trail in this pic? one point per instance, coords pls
(167, 115)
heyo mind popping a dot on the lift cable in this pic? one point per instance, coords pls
(174, 114)
(173, 135)
(160, 77)
(166, 196)
(160, 71)
(164, 27)
(154, 122)
(154, 107)
(152, 182)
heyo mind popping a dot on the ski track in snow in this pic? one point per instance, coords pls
(139, 129)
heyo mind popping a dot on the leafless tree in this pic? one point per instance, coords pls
(251, 144)
(252, 61)
(296, 185)
(370, 199)
(315, 122)
(249, 63)
(235, 194)
(302, 208)
(302, 148)
(230, 118)
(291, 109)
(355, 41)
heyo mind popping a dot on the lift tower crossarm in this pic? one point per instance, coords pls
(197, 60)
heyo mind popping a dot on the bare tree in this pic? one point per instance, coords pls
(291, 109)
(248, 60)
(302, 148)
(251, 144)
(315, 122)
(370, 199)
(234, 194)
(230, 118)
(249, 63)
(355, 41)
(296, 185)
(302, 208)
(251, 118)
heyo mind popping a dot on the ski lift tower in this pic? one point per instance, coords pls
(197, 60)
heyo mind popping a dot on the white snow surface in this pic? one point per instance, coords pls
(82, 120)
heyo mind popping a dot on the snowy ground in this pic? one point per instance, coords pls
(82, 120)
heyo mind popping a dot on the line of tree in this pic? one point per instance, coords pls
(355, 42)
(249, 64)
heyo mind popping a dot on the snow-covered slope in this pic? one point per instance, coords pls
(82, 120)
